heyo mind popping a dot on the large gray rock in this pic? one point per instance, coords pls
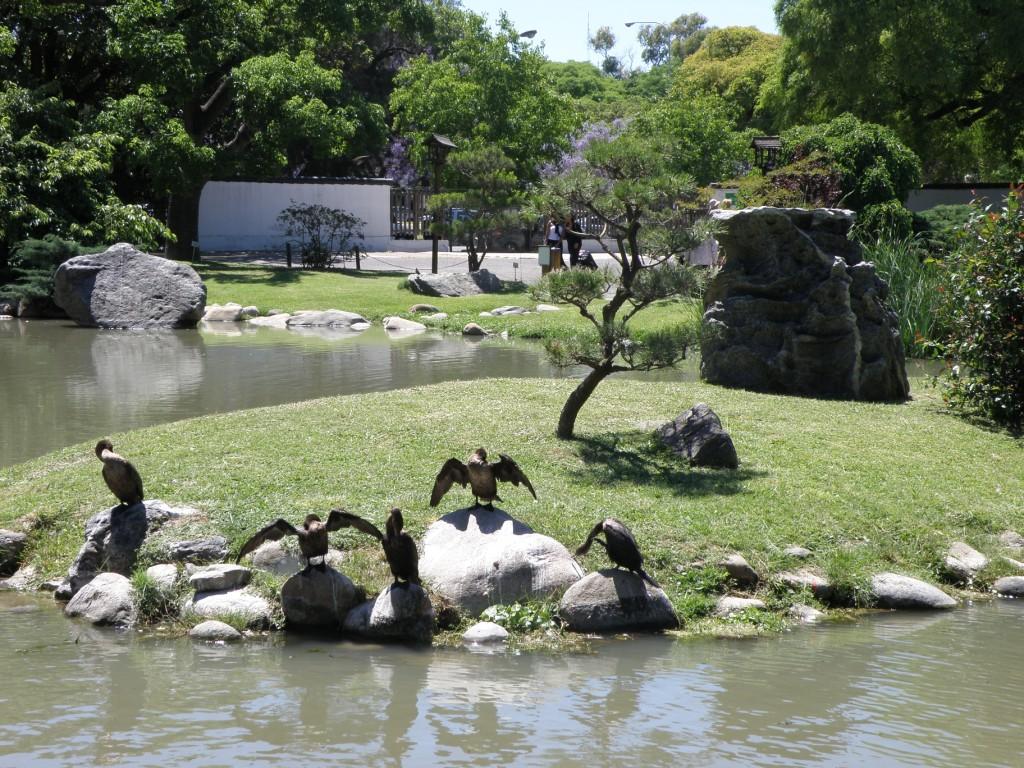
(474, 558)
(126, 288)
(214, 631)
(318, 598)
(220, 576)
(329, 318)
(892, 590)
(1010, 586)
(963, 562)
(164, 576)
(455, 283)
(795, 310)
(113, 538)
(25, 578)
(12, 544)
(401, 612)
(273, 557)
(698, 436)
(401, 325)
(279, 321)
(614, 600)
(107, 599)
(250, 608)
(209, 550)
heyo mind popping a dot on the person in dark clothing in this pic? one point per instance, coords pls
(573, 239)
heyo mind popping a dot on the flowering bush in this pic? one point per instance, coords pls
(984, 309)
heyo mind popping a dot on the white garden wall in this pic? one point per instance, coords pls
(242, 215)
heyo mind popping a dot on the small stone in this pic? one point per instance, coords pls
(253, 609)
(51, 585)
(250, 311)
(271, 556)
(485, 314)
(485, 632)
(893, 590)
(209, 550)
(275, 311)
(278, 321)
(805, 614)
(728, 605)
(12, 544)
(547, 308)
(699, 437)
(222, 576)
(422, 309)
(106, 599)
(22, 580)
(614, 600)
(401, 325)
(437, 316)
(212, 630)
(740, 570)
(963, 561)
(1015, 563)
(1011, 540)
(800, 553)
(400, 612)
(472, 329)
(818, 585)
(223, 313)
(1010, 586)
(164, 575)
(508, 310)
(318, 598)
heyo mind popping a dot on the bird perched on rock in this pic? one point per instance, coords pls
(312, 536)
(121, 477)
(482, 477)
(399, 547)
(620, 545)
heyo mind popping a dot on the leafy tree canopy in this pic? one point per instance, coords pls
(490, 88)
(675, 40)
(948, 76)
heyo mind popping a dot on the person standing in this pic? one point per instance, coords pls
(573, 239)
(553, 240)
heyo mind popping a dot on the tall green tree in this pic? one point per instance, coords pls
(488, 88)
(948, 76)
(628, 188)
(675, 40)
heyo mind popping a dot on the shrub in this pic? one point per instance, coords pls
(915, 282)
(323, 232)
(32, 265)
(945, 225)
(891, 220)
(984, 309)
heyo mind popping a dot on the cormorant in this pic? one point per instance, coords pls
(312, 536)
(121, 477)
(399, 547)
(482, 477)
(620, 545)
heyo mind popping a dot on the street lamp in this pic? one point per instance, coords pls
(438, 148)
(631, 23)
(529, 34)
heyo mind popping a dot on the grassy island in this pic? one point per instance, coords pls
(865, 487)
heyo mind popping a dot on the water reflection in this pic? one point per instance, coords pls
(888, 690)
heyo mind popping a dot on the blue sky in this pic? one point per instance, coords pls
(562, 26)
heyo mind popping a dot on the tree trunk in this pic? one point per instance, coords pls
(580, 395)
(183, 221)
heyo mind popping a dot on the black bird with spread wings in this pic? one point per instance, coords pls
(399, 547)
(620, 545)
(119, 474)
(482, 477)
(312, 536)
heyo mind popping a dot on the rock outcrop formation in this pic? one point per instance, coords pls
(126, 288)
(796, 310)
(475, 558)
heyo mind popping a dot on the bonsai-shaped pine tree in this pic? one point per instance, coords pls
(627, 190)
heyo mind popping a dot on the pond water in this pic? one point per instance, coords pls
(61, 384)
(892, 689)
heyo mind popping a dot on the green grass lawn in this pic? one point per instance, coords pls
(377, 295)
(866, 487)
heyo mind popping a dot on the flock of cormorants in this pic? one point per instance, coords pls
(399, 547)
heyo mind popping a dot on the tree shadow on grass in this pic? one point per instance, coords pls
(252, 275)
(639, 459)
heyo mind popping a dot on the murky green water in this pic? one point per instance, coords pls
(61, 384)
(896, 689)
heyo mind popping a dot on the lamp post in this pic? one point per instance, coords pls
(529, 34)
(631, 23)
(438, 148)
